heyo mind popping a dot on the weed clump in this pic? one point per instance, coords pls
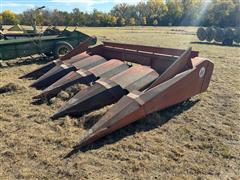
(10, 87)
(91, 118)
(63, 96)
(75, 89)
(71, 91)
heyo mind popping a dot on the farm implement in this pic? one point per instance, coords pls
(22, 33)
(50, 45)
(138, 80)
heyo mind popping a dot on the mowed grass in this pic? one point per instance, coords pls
(197, 140)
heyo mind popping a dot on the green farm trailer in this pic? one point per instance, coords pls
(55, 45)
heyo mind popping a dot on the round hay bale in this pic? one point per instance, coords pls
(210, 34)
(237, 35)
(219, 35)
(201, 34)
(228, 33)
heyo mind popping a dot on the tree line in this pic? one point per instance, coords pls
(222, 13)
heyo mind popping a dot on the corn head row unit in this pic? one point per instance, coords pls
(139, 80)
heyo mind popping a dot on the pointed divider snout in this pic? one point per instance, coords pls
(80, 76)
(94, 97)
(44, 69)
(59, 71)
(53, 75)
(105, 92)
(105, 70)
(125, 111)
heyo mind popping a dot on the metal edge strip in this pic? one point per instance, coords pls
(137, 98)
(105, 84)
(82, 73)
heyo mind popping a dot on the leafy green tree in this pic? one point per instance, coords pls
(144, 21)
(96, 18)
(46, 17)
(141, 13)
(26, 17)
(78, 17)
(9, 18)
(235, 14)
(190, 11)
(155, 22)
(219, 13)
(109, 20)
(174, 13)
(156, 8)
(1, 19)
(121, 22)
(132, 21)
(121, 10)
(58, 18)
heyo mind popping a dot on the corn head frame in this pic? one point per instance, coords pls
(138, 80)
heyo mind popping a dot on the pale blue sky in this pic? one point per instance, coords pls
(67, 5)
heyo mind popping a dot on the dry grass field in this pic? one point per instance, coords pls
(197, 140)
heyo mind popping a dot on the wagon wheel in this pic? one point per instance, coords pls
(1, 35)
(62, 49)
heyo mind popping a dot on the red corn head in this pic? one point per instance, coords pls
(164, 77)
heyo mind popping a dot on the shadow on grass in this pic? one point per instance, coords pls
(214, 43)
(39, 60)
(90, 121)
(39, 101)
(148, 123)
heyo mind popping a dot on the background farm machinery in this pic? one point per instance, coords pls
(19, 32)
(51, 45)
